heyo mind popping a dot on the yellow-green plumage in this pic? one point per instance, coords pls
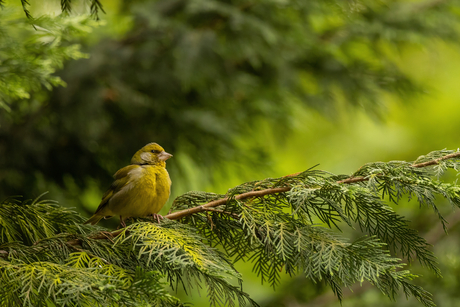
(139, 189)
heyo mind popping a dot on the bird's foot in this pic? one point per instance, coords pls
(157, 217)
(122, 223)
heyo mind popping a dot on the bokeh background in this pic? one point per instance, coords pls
(245, 90)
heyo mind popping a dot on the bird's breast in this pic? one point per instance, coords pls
(147, 192)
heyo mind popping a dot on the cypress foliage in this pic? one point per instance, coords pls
(30, 53)
(282, 225)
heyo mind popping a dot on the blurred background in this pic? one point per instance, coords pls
(237, 91)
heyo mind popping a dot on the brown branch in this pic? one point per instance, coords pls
(209, 206)
(353, 180)
(180, 214)
(436, 161)
(418, 165)
(215, 203)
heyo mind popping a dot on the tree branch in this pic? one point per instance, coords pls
(215, 203)
(206, 207)
(180, 214)
(436, 161)
(418, 165)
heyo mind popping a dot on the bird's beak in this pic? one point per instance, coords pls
(163, 156)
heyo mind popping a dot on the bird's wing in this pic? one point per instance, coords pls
(121, 179)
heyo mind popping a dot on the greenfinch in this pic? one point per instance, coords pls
(140, 189)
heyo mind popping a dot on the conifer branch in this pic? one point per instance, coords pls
(215, 203)
(66, 8)
(279, 224)
(436, 161)
(180, 214)
(433, 236)
(417, 165)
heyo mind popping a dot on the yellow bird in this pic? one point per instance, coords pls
(140, 189)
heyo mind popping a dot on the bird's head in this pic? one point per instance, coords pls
(151, 153)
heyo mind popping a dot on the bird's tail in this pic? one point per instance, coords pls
(94, 219)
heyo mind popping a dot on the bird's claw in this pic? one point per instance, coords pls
(157, 217)
(122, 224)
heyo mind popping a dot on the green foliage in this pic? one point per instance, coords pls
(80, 282)
(282, 224)
(66, 7)
(18, 218)
(176, 250)
(29, 57)
(195, 76)
(281, 231)
(49, 257)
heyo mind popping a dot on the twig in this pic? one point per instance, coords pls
(180, 214)
(353, 180)
(210, 206)
(215, 203)
(210, 220)
(418, 165)
(436, 161)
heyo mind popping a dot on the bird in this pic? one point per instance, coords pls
(140, 189)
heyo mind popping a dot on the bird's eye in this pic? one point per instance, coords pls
(155, 151)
